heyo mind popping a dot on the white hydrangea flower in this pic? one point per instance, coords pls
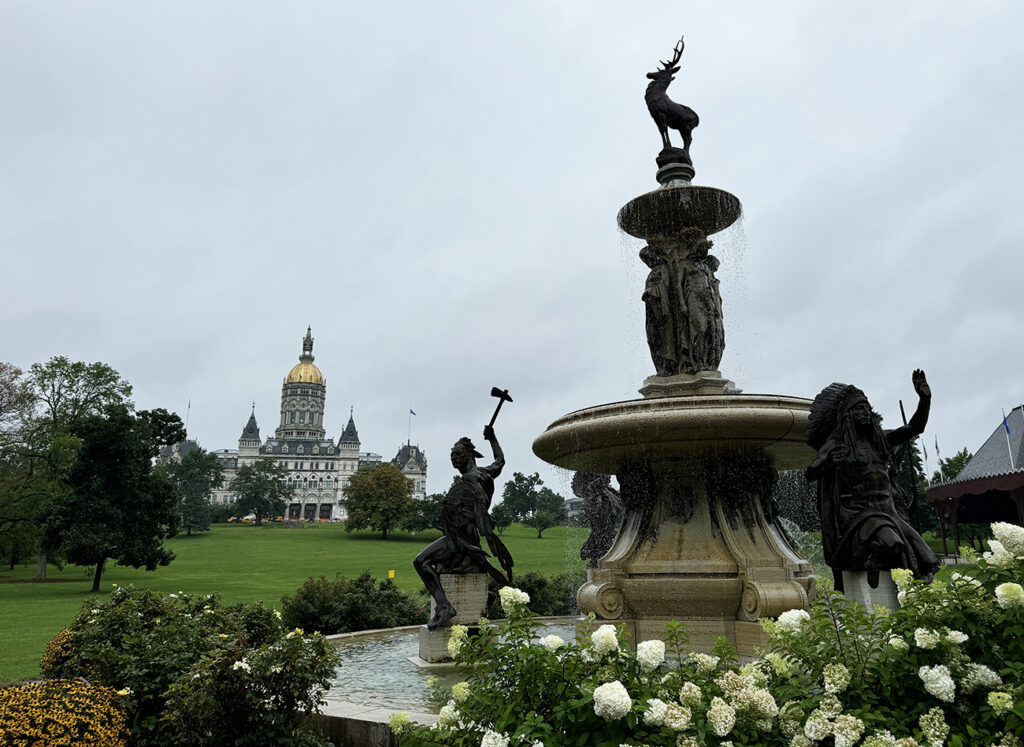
(732, 682)
(883, 738)
(552, 643)
(1011, 536)
(243, 665)
(818, 726)
(689, 694)
(704, 663)
(830, 705)
(448, 715)
(799, 740)
(969, 581)
(998, 555)
(938, 682)
(399, 721)
(677, 717)
(655, 713)
(460, 691)
(791, 718)
(611, 701)
(686, 740)
(721, 716)
(604, 639)
(1000, 702)
(754, 671)
(1010, 595)
(903, 578)
(512, 598)
(837, 677)
(650, 654)
(956, 636)
(925, 638)
(494, 739)
(458, 638)
(934, 726)
(978, 675)
(791, 620)
(899, 644)
(779, 664)
(847, 730)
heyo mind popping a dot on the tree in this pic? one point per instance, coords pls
(63, 394)
(950, 468)
(427, 514)
(119, 508)
(261, 489)
(378, 497)
(502, 517)
(194, 476)
(520, 494)
(549, 511)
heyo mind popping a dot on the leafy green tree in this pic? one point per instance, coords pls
(427, 514)
(118, 508)
(63, 392)
(550, 511)
(520, 494)
(502, 517)
(378, 498)
(261, 489)
(195, 476)
(950, 468)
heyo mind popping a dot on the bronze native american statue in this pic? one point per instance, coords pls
(862, 528)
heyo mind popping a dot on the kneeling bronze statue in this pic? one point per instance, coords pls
(465, 521)
(861, 526)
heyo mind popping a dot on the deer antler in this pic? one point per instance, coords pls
(677, 52)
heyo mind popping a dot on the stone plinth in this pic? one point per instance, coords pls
(857, 589)
(681, 385)
(468, 594)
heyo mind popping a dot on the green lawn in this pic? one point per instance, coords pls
(242, 564)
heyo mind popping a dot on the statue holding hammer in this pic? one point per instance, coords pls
(466, 521)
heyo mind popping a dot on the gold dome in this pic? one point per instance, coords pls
(305, 371)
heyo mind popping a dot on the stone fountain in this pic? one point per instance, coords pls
(695, 458)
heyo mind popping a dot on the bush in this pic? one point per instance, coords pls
(147, 644)
(344, 605)
(62, 712)
(947, 668)
(549, 597)
(219, 513)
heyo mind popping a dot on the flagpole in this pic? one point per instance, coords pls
(408, 435)
(1009, 451)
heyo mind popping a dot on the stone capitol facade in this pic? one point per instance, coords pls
(318, 467)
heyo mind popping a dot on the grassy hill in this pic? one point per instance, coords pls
(243, 564)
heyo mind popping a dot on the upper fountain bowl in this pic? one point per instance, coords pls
(667, 211)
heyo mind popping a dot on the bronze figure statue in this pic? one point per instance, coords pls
(667, 114)
(862, 527)
(685, 329)
(465, 521)
(603, 508)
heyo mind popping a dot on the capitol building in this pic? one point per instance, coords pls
(318, 466)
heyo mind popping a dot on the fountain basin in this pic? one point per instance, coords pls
(604, 438)
(665, 212)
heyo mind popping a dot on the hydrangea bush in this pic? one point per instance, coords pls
(189, 669)
(947, 668)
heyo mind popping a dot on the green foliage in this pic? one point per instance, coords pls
(950, 659)
(553, 596)
(195, 476)
(118, 507)
(176, 655)
(219, 513)
(343, 605)
(524, 499)
(502, 516)
(950, 468)
(378, 498)
(427, 514)
(261, 489)
(68, 391)
(549, 511)
(519, 496)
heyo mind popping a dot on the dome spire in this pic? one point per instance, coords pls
(307, 346)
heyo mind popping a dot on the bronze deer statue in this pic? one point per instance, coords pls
(666, 112)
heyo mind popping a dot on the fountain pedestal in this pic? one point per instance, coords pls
(468, 594)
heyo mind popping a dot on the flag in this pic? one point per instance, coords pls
(411, 411)
(1006, 425)
(938, 454)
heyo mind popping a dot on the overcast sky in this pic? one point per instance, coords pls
(184, 187)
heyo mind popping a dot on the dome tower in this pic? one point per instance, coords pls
(302, 398)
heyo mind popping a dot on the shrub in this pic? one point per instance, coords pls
(148, 643)
(344, 605)
(947, 668)
(62, 712)
(549, 597)
(60, 655)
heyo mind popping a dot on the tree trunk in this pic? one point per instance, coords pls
(96, 578)
(259, 516)
(41, 566)
(384, 534)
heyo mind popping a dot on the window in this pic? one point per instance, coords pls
(293, 416)
(302, 416)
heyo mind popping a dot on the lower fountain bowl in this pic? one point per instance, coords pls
(603, 438)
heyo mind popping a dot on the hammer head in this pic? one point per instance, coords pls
(501, 394)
